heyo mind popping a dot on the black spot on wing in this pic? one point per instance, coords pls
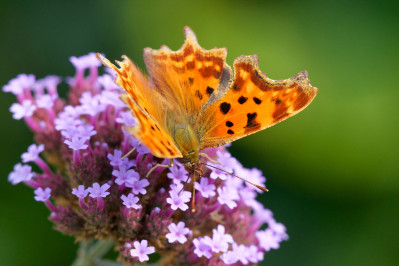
(251, 120)
(242, 100)
(224, 107)
(198, 94)
(257, 100)
(209, 90)
(230, 132)
(229, 124)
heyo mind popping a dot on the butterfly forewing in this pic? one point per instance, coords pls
(253, 102)
(149, 108)
(189, 76)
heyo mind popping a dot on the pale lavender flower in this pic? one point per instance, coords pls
(116, 158)
(241, 252)
(33, 153)
(125, 176)
(81, 192)
(18, 84)
(228, 196)
(202, 248)
(107, 82)
(138, 186)
(177, 174)
(85, 61)
(42, 194)
(45, 101)
(21, 173)
(253, 254)
(76, 143)
(177, 233)
(26, 109)
(97, 191)
(111, 98)
(207, 190)
(220, 240)
(91, 104)
(130, 201)
(178, 200)
(229, 257)
(141, 250)
(268, 239)
(126, 118)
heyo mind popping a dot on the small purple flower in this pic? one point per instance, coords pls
(268, 239)
(207, 190)
(126, 118)
(116, 158)
(85, 61)
(91, 104)
(45, 101)
(138, 186)
(202, 248)
(228, 196)
(241, 252)
(97, 191)
(86, 131)
(76, 143)
(130, 201)
(111, 98)
(253, 254)
(141, 250)
(21, 173)
(33, 153)
(177, 174)
(125, 176)
(178, 200)
(42, 194)
(81, 192)
(229, 257)
(216, 173)
(177, 233)
(26, 109)
(18, 84)
(220, 240)
(107, 82)
(227, 162)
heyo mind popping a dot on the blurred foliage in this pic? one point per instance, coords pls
(332, 170)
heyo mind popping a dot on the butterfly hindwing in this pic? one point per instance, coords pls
(253, 102)
(148, 106)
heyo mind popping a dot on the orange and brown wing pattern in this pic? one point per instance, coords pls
(190, 76)
(147, 106)
(253, 102)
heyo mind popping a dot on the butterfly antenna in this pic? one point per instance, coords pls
(243, 179)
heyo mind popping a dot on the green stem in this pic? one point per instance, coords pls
(91, 252)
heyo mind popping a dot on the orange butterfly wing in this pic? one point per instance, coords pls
(190, 76)
(253, 102)
(148, 106)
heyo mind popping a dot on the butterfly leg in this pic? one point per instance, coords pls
(209, 158)
(127, 154)
(159, 165)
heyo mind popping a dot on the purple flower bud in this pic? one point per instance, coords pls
(42, 195)
(141, 250)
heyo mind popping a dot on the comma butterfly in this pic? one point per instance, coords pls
(191, 99)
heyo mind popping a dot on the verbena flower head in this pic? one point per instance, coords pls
(93, 193)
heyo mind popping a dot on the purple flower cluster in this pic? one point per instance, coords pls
(93, 192)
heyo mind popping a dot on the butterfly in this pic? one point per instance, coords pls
(191, 99)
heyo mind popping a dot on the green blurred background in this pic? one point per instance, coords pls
(332, 170)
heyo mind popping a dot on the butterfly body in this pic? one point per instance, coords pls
(191, 99)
